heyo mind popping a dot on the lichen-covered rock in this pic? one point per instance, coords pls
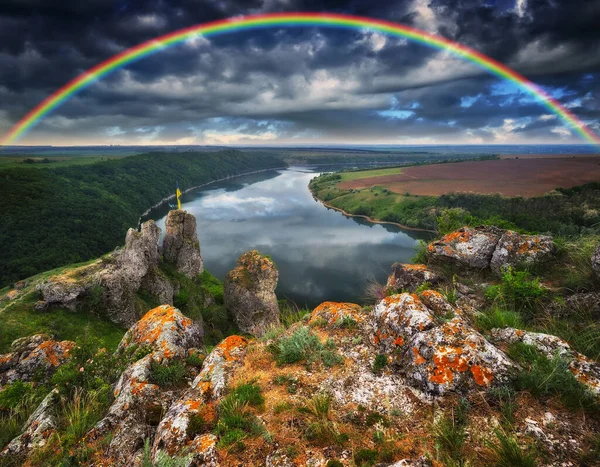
(396, 319)
(63, 291)
(207, 390)
(453, 357)
(129, 419)
(515, 249)
(33, 357)
(420, 462)
(471, 247)
(407, 277)
(585, 370)
(181, 245)
(249, 293)
(596, 263)
(337, 314)
(37, 429)
(164, 329)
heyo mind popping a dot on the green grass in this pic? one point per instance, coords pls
(508, 453)
(304, 346)
(450, 436)
(358, 174)
(498, 317)
(544, 378)
(20, 320)
(18, 400)
(380, 363)
(171, 374)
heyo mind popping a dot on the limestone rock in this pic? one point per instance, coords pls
(137, 401)
(33, 357)
(37, 429)
(471, 247)
(121, 279)
(181, 245)
(164, 329)
(596, 263)
(278, 458)
(407, 277)
(584, 369)
(588, 302)
(335, 314)
(433, 346)
(515, 249)
(207, 390)
(249, 293)
(420, 462)
(61, 291)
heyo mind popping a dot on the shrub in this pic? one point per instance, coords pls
(545, 377)
(517, 291)
(508, 453)
(334, 463)
(195, 359)
(365, 457)
(167, 375)
(380, 363)
(421, 256)
(303, 345)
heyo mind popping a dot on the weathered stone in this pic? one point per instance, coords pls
(37, 429)
(181, 245)
(63, 291)
(129, 417)
(585, 370)
(249, 293)
(407, 277)
(596, 263)
(33, 357)
(158, 286)
(471, 247)
(420, 462)
(278, 458)
(207, 390)
(515, 249)
(164, 329)
(396, 319)
(335, 314)
(588, 302)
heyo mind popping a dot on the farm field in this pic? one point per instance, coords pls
(525, 177)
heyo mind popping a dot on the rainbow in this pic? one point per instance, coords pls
(273, 20)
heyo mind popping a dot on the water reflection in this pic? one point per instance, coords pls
(321, 253)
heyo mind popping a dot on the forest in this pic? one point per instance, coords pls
(57, 216)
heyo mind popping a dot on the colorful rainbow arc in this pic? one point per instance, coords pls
(288, 20)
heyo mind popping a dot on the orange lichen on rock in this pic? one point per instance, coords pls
(399, 341)
(55, 352)
(150, 327)
(332, 312)
(231, 344)
(419, 360)
(483, 376)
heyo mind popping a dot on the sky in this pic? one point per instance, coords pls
(300, 86)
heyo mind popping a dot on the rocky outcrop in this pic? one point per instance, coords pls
(571, 305)
(337, 314)
(471, 247)
(249, 293)
(112, 283)
(584, 369)
(37, 429)
(32, 357)
(433, 346)
(596, 263)
(515, 249)
(163, 329)
(181, 245)
(407, 277)
(207, 390)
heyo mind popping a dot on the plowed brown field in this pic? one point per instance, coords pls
(509, 177)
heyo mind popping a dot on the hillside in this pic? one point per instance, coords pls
(57, 216)
(486, 354)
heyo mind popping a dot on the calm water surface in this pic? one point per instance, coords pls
(320, 253)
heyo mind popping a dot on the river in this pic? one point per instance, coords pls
(321, 254)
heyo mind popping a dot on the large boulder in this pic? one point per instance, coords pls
(515, 249)
(428, 341)
(63, 291)
(408, 277)
(181, 245)
(249, 293)
(585, 370)
(208, 388)
(33, 357)
(38, 428)
(163, 329)
(336, 314)
(470, 247)
(596, 263)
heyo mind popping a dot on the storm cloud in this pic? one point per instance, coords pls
(300, 85)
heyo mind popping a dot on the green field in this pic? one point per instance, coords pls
(53, 162)
(355, 175)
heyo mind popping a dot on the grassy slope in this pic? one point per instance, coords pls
(70, 214)
(358, 174)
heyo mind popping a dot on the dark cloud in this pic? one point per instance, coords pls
(299, 84)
